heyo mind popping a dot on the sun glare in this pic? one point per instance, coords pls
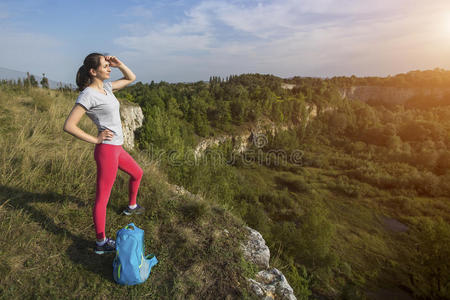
(447, 23)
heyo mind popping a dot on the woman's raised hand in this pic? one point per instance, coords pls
(114, 62)
(105, 135)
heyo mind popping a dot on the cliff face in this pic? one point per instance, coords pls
(132, 118)
(392, 95)
(255, 134)
(252, 134)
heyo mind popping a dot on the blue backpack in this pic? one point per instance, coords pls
(131, 266)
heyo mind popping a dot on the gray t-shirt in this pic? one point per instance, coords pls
(103, 110)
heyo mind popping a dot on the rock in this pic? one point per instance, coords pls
(271, 284)
(287, 86)
(254, 134)
(258, 288)
(181, 191)
(255, 250)
(132, 118)
(209, 142)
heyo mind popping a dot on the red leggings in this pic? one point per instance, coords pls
(109, 158)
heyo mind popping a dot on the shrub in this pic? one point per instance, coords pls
(294, 183)
(257, 218)
(300, 280)
(432, 280)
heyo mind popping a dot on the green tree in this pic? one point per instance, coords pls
(300, 280)
(44, 81)
(33, 81)
(432, 280)
(337, 122)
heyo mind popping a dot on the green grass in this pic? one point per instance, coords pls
(47, 190)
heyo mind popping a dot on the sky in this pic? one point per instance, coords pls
(187, 41)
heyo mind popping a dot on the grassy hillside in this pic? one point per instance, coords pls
(47, 189)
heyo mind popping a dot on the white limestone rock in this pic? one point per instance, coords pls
(132, 118)
(271, 284)
(255, 249)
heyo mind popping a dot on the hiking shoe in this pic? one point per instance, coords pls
(108, 247)
(138, 210)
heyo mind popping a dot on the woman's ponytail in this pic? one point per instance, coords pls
(84, 78)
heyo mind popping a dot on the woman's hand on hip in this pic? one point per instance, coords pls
(105, 135)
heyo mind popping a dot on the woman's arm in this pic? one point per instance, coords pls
(128, 78)
(70, 126)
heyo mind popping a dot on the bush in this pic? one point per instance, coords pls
(432, 253)
(300, 280)
(294, 183)
(257, 218)
(401, 204)
(308, 241)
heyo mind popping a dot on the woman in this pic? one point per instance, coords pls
(97, 100)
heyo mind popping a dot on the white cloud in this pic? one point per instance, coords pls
(191, 34)
(316, 38)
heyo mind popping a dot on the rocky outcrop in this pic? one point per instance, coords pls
(269, 283)
(255, 249)
(255, 134)
(132, 118)
(210, 142)
(393, 95)
(241, 142)
(179, 190)
(287, 86)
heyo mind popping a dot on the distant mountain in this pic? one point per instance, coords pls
(9, 74)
